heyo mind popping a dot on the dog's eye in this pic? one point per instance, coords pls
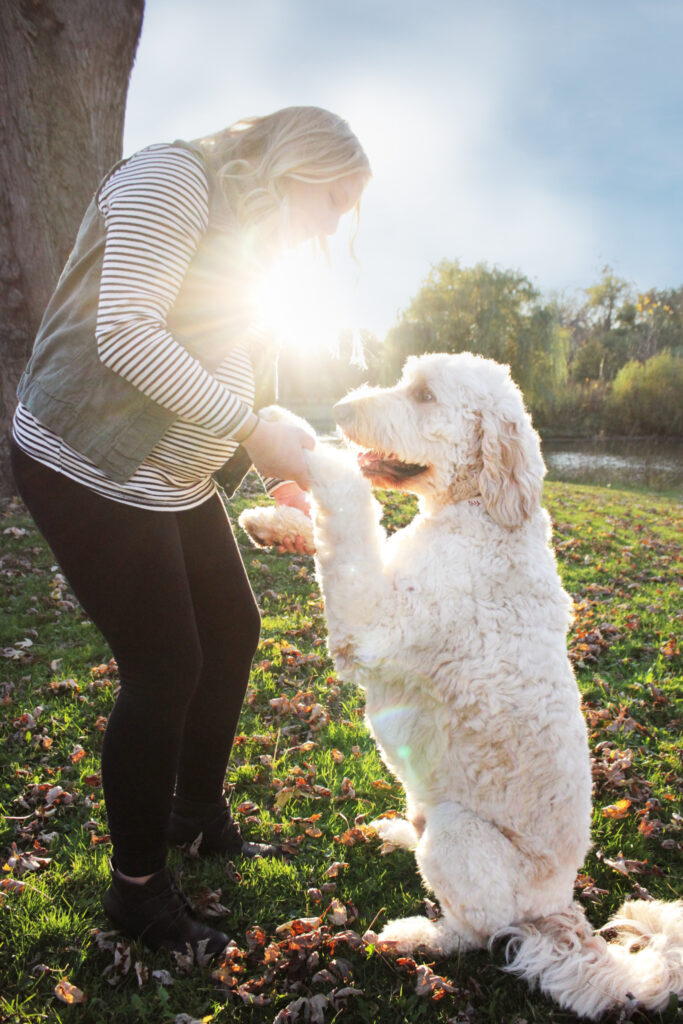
(424, 394)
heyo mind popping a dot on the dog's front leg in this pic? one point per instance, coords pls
(349, 542)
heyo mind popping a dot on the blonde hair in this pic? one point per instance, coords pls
(254, 158)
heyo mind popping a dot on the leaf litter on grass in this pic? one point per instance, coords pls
(304, 769)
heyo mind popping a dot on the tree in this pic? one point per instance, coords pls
(64, 70)
(613, 327)
(489, 311)
(658, 323)
(602, 335)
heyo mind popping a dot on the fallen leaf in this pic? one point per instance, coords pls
(299, 926)
(626, 867)
(431, 909)
(337, 913)
(64, 686)
(247, 807)
(121, 965)
(386, 848)
(347, 790)
(12, 885)
(618, 810)
(335, 868)
(68, 993)
(163, 977)
(431, 984)
(141, 973)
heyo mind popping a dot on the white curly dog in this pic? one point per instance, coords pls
(455, 627)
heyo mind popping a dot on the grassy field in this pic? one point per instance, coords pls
(305, 772)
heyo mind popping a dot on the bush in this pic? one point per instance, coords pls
(647, 398)
(575, 410)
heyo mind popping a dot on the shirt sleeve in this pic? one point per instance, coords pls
(155, 208)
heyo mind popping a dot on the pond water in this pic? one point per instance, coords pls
(643, 464)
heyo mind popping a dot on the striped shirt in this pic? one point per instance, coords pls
(155, 210)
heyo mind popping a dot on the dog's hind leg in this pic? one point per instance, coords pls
(475, 873)
(397, 831)
(410, 935)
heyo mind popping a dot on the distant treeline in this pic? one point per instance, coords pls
(609, 361)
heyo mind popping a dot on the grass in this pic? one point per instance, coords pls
(306, 772)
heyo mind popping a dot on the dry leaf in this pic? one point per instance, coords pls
(163, 977)
(347, 790)
(64, 686)
(12, 885)
(381, 784)
(618, 810)
(335, 868)
(337, 913)
(141, 973)
(342, 968)
(431, 984)
(299, 926)
(68, 993)
(387, 848)
(626, 867)
(431, 909)
(247, 807)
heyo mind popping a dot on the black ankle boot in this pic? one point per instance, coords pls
(158, 914)
(220, 833)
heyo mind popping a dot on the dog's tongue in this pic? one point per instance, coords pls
(366, 460)
(372, 463)
(375, 464)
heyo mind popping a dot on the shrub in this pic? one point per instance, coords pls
(575, 410)
(647, 398)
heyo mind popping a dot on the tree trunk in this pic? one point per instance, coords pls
(64, 70)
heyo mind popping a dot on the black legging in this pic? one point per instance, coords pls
(170, 594)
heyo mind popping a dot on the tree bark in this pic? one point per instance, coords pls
(64, 71)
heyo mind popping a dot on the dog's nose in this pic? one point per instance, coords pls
(343, 412)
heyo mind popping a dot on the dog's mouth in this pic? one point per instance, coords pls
(389, 469)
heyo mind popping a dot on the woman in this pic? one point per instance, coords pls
(142, 390)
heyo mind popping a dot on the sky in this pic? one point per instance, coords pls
(543, 136)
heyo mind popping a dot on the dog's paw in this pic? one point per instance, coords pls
(267, 526)
(408, 935)
(276, 414)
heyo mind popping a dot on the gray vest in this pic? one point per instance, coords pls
(96, 411)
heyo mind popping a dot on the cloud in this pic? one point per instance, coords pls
(534, 136)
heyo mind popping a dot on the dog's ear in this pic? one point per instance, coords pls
(511, 478)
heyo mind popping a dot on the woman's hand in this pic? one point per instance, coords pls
(277, 449)
(289, 493)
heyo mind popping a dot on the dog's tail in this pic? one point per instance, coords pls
(635, 960)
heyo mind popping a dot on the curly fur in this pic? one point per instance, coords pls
(456, 629)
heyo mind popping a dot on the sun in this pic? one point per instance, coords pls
(303, 301)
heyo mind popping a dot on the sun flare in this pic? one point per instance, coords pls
(303, 302)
